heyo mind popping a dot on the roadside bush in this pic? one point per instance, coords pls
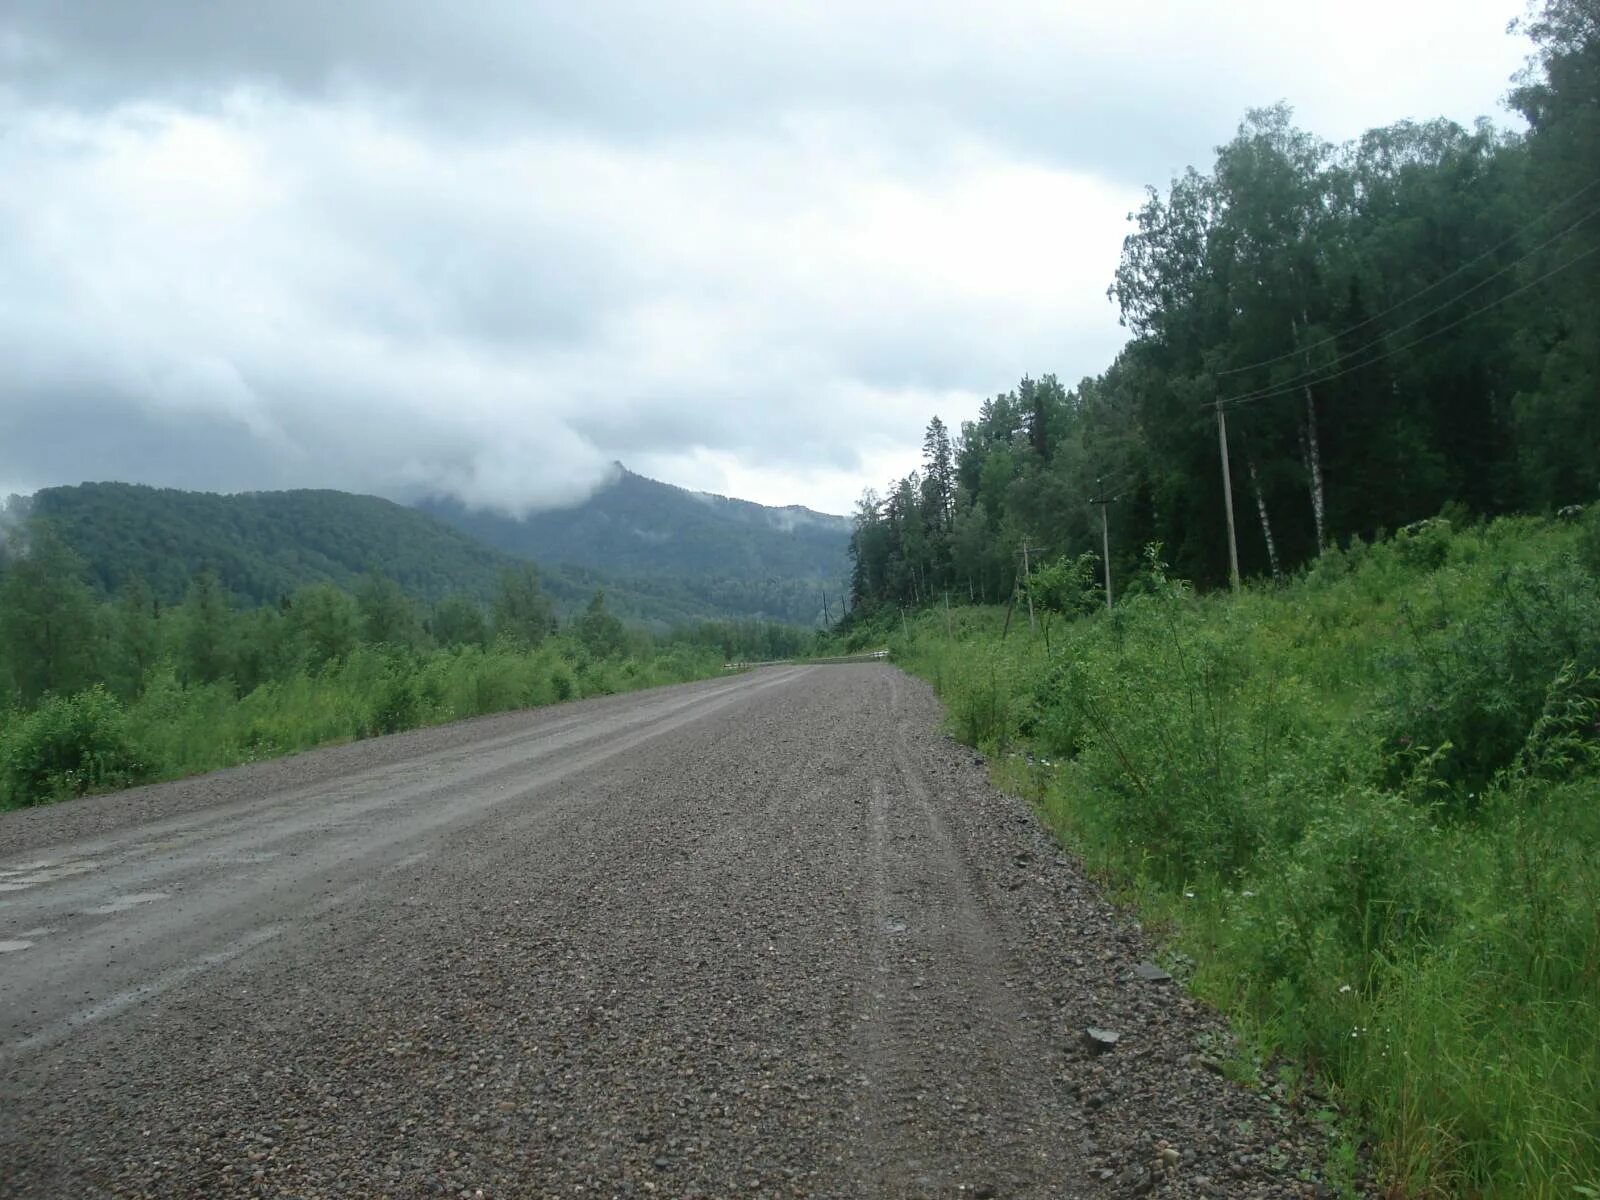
(1589, 540)
(1425, 545)
(562, 685)
(398, 705)
(494, 683)
(1471, 680)
(67, 746)
(1363, 807)
(989, 699)
(1365, 878)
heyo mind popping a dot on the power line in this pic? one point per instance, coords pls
(1293, 386)
(1305, 376)
(1436, 284)
(1128, 483)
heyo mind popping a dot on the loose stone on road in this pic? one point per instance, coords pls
(770, 935)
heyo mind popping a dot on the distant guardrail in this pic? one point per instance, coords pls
(865, 656)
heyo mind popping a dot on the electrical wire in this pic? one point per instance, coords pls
(1129, 483)
(1436, 284)
(1292, 386)
(1305, 376)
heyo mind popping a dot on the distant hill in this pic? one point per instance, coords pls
(264, 545)
(639, 526)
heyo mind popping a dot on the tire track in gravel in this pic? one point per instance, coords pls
(963, 1087)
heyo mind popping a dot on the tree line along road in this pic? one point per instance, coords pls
(768, 935)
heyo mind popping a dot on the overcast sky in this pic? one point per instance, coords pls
(485, 248)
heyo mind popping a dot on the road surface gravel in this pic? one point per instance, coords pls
(769, 935)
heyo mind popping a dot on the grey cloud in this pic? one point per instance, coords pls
(647, 70)
(103, 435)
(74, 438)
(484, 249)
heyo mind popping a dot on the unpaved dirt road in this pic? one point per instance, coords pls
(767, 935)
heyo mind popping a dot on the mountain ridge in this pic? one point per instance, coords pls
(640, 524)
(265, 544)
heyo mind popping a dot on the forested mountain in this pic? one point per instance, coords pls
(262, 546)
(1395, 326)
(638, 525)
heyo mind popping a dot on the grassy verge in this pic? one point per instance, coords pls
(91, 740)
(1364, 806)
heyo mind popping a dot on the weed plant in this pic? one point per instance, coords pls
(1366, 807)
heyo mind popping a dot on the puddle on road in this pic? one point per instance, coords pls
(894, 925)
(124, 903)
(10, 947)
(17, 878)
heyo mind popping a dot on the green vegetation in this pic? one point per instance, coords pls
(1399, 324)
(1364, 807)
(1363, 799)
(107, 693)
(263, 546)
(260, 545)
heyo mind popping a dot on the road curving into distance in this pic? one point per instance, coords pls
(769, 935)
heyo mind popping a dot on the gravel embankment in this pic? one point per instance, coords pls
(772, 935)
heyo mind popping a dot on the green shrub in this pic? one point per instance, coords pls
(67, 746)
(398, 705)
(1364, 807)
(1472, 678)
(1425, 544)
(1589, 540)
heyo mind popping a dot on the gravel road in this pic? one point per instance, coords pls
(770, 935)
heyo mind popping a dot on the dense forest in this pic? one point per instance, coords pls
(59, 634)
(1377, 332)
(263, 546)
(107, 690)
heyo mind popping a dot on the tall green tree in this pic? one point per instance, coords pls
(47, 617)
(326, 622)
(601, 632)
(459, 621)
(1558, 418)
(137, 636)
(387, 616)
(939, 472)
(522, 612)
(207, 645)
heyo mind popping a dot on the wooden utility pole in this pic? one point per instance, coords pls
(1027, 584)
(1105, 536)
(949, 629)
(1227, 499)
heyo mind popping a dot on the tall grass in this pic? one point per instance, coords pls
(69, 745)
(1365, 806)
